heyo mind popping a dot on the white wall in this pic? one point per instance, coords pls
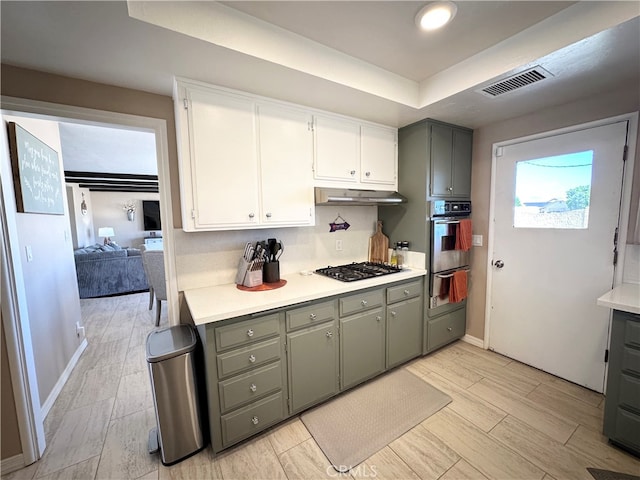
(211, 258)
(107, 211)
(82, 231)
(51, 287)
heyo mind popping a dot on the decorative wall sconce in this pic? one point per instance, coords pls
(130, 208)
(83, 206)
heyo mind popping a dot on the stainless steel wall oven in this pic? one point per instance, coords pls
(446, 256)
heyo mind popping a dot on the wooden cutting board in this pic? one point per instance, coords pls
(379, 246)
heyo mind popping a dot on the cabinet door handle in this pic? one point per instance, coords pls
(363, 303)
(449, 329)
(251, 215)
(329, 334)
(368, 174)
(450, 189)
(269, 215)
(255, 420)
(252, 358)
(253, 387)
(406, 292)
(313, 316)
(250, 333)
(378, 318)
(393, 314)
(352, 172)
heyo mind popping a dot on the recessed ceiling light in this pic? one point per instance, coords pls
(436, 15)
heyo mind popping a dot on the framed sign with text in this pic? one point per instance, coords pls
(36, 173)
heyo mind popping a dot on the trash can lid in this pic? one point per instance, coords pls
(170, 342)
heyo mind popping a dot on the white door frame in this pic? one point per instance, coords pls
(14, 311)
(627, 180)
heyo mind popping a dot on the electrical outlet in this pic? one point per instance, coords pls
(338, 245)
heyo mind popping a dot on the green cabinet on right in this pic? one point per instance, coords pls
(622, 401)
(450, 153)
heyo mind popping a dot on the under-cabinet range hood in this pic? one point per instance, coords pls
(346, 196)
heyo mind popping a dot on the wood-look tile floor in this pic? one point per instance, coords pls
(506, 421)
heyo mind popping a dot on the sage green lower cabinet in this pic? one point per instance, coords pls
(263, 368)
(445, 328)
(312, 361)
(245, 376)
(622, 400)
(362, 347)
(404, 331)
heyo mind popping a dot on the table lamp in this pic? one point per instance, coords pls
(106, 232)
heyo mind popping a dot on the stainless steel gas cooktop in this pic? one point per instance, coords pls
(358, 271)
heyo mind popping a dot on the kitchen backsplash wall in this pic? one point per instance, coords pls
(211, 258)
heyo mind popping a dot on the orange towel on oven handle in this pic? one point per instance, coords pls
(458, 289)
(463, 235)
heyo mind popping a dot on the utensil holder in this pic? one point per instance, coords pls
(271, 272)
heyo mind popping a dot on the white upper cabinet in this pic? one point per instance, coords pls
(354, 154)
(223, 161)
(337, 149)
(286, 161)
(244, 163)
(379, 151)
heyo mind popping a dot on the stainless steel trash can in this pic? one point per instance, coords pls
(171, 356)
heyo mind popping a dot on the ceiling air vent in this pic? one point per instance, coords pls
(514, 82)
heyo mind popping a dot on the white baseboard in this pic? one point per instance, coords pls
(11, 464)
(63, 379)
(475, 341)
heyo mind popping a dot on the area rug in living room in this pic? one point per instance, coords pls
(355, 425)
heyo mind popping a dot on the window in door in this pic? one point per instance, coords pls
(553, 192)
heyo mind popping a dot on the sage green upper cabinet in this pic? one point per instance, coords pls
(337, 149)
(450, 160)
(245, 162)
(350, 153)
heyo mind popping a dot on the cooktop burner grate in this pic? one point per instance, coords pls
(358, 271)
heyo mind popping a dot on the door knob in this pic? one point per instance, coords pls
(498, 264)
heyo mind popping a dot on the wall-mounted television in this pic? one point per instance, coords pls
(151, 215)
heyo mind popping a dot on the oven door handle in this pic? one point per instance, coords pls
(449, 275)
(446, 222)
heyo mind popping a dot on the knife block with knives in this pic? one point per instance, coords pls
(263, 255)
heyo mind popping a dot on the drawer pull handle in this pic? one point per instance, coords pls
(313, 316)
(378, 318)
(329, 334)
(406, 292)
(449, 329)
(363, 303)
(368, 174)
(251, 215)
(255, 420)
(352, 172)
(250, 333)
(252, 358)
(393, 314)
(253, 387)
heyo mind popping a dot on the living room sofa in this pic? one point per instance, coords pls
(109, 270)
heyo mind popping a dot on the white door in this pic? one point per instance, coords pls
(556, 208)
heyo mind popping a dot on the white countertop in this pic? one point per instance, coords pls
(625, 297)
(212, 304)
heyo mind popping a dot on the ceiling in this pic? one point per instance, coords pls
(364, 59)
